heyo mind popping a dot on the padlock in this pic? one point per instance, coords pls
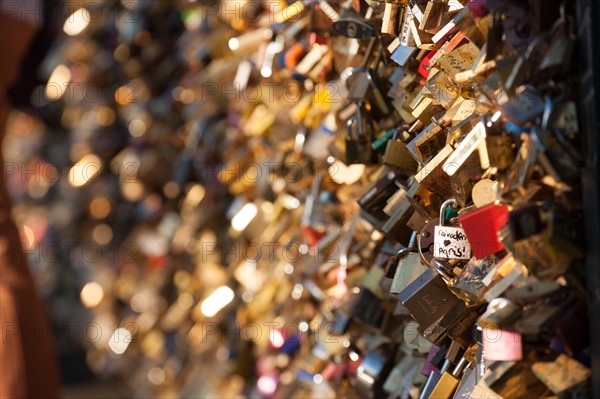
(469, 284)
(564, 118)
(428, 298)
(561, 374)
(374, 201)
(519, 172)
(525, 65)
(448, 382)
(427, 143)
(481, 227)
(456, 324)
(500, 313)
(432, 17)
(354, 28)
(390, 23)
(429, 365)
(432, 176)
(555, 60)
(500, 150)
(380, 143)
(502, 345)
(532, 291)
(433, 380)
(559, 157)
(367, 308)
(399, 158)
(466, 387)
(403, 376)
(406, 33)
(449, 242)
(494, 39)
(359, 138)
(408, 270)
(443, 89)
(425, 202)
(364, 85)
(396, 226)
(517, 27)
(374, 370)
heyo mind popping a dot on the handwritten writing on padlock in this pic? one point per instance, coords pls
(451, 243)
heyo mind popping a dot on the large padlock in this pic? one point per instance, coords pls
(428, 298)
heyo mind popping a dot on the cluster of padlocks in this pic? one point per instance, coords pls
(319, 199)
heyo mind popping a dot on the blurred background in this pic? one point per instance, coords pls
(136, 164)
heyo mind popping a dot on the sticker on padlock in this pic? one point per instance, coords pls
(449, 242)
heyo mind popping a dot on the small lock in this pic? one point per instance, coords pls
(565, 119)
(557, 156)
(398, 157)
(450, 242)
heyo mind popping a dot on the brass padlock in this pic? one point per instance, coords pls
(432, 175)
(427, 143)
(398, 157)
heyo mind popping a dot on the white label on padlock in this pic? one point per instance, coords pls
(451, 243)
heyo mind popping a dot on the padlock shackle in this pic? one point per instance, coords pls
(449, 202)
(439, 267)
